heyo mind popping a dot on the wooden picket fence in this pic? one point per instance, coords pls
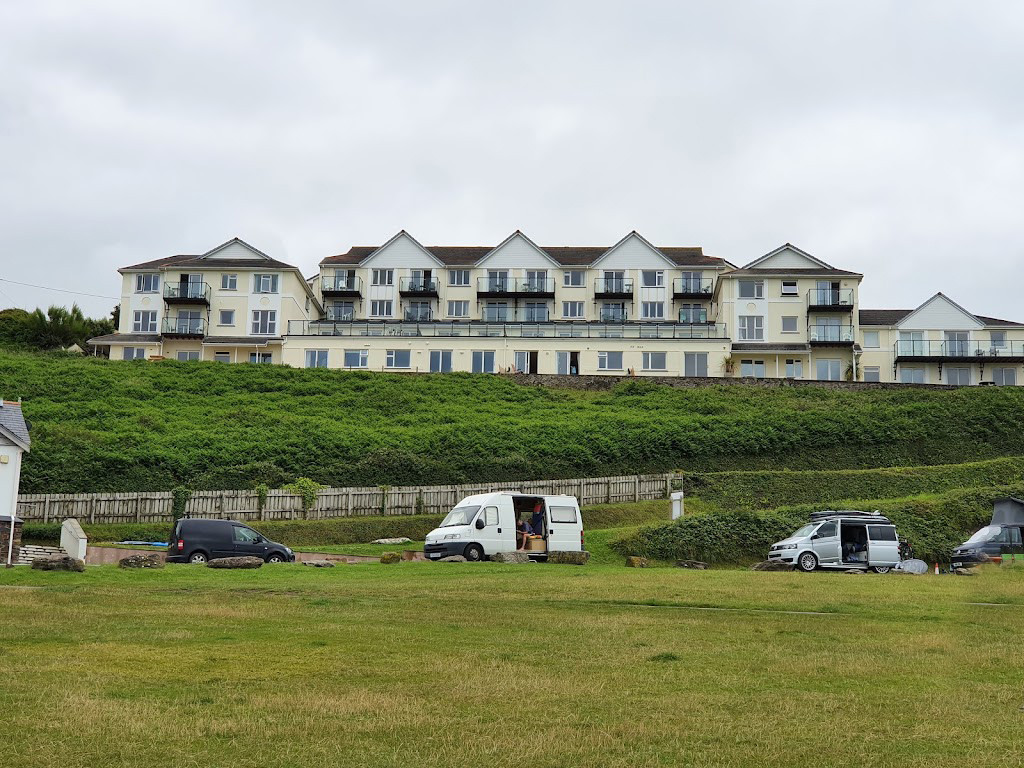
(155, 507)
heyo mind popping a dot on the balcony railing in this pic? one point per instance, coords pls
(341, 285)
(510, 315)
(959, 350)
(417, 286)
(340, 315)
(515, 286)
(183, 326)
(829, 299)
(692, 287)
(616, 315)
(552, 330)
(423, 315)
(187, 293)
(613, 287)
(830, 334)
(693, 315)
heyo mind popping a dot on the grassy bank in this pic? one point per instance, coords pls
(379, 665)
(109, 425)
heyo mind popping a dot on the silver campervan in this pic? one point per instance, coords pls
(845, 539)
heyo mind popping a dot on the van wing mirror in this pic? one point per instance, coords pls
(480, 524)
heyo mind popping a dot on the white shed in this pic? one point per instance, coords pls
(14, 441)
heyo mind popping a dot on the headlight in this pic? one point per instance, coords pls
(289, 550)
(789, 546)
(453, 535)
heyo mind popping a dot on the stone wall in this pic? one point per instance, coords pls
(5, 535)
(603, 382)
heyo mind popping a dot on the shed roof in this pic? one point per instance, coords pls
(13, 425)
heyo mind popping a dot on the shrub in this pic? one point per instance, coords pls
(179, 500)
(306, 490)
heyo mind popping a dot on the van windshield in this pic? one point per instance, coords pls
(460, 516)
(805, 531)
(988, 533)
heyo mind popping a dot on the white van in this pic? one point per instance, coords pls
(481, 525)
(847, 539)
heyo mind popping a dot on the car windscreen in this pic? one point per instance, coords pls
(460, 516)
(805, 531)
(987, 533)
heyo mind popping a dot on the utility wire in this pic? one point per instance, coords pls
(59, 290)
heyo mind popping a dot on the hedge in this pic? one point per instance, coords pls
(933, 525)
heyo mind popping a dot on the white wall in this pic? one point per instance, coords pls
(939, 314)
(517, 254)
(10, 474)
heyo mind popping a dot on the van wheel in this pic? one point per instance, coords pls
(807, 562)
(198, 558)
(275, 558)
(474, 553)
(881, 568)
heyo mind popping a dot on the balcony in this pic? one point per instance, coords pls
(418, 286)
(692, 287)
(187, 293)
(693, 316)
(830, 300)
(615, 315)
(962, 351)
(515, 287)
(830, 335)
(613, 288)
(341, 286)
(421, 315)
(512, 329)
(340, 315)
(183, 328)
(521, 315)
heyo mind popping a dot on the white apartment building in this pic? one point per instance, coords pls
(631, 308)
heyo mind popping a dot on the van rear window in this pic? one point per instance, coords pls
(562, 514)
(881, 533)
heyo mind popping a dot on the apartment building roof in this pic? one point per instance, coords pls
(122, 337)
(210, 259)
(890, 317)
(795, 272)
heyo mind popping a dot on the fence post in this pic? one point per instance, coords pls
(636, 488)
(668, 485)
(46, 509)
(92, 509)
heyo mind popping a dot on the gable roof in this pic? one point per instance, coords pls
(940, 296)
(891, 317)
(209, 259)
(13, 425)
(789, 247)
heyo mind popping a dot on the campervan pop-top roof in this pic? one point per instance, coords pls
(849, 514)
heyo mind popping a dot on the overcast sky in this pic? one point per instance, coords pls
(883, 137)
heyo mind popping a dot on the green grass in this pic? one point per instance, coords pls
(454, 665)
(122, 426)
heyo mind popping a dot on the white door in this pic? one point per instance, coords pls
(911, 343)
(564, 525)
(489, 537)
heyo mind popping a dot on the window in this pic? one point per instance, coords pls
(144, 321)
(957, 343)
(871, 340)
(188, 354)
(344, 279)
(535, 313)
(613, 313)
(881, 533)
(751, 328)
(147, 283)
(752, 369)
(654, 361)
(574, 278)
(911, 343)
(260, 357)
(419, 312)
(650, 278)
(490, 515)
(382, 277)
(789, 324)
(440, 361)
(794, 368)
(872, 373)
(537, 280)
(134, 353)
(828, 370)
(609, 361)
(497, 280)
(789, 288)
(483, 361)
(653, 310)
(458, 309)
(356, 358)
(521, 362)
(316, 358)
(998, 339)
(264, 322)
(227, 317)
(695, 364)
(692, 313)
(399, 358)
(751, 289)
(615, 282)
(912, 375)
(229, 282)
(458, 277)
(959, 376)
(380, 308)
(691, 283)
(341, 310)
(827, 530)
(1005, 376)
(264, 284)
(222, 357)
(496, 312)
(572, 309)
(562, 514)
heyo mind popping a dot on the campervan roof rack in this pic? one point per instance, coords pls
(827, 514)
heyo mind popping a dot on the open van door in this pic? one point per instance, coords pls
(564, 525)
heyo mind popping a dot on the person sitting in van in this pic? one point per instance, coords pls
(523, 532)
(537, 521)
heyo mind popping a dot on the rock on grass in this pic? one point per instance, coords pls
(236, 562)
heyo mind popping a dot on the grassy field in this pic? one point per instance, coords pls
(128, 426)
(451, 665)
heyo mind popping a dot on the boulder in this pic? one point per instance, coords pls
(396, 540)
(390, 557)
(965, 571)
(236, 562)
(318, 563)
(58, 563)
(636, 562)
(510, 557)
(696, 565)
(855, 571)
(140, 561)
(915, 567)
(453, 559)
(568, 558)
(769, 565)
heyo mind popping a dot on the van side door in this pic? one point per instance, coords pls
(564, 525)
(825, 543)
(883, 545)
(248, 542)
